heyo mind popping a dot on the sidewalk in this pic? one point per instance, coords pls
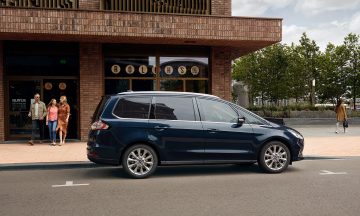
(320, 141)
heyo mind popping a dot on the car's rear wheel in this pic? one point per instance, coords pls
(139, 161)
(274, 157)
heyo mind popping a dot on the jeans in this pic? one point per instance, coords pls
(37, 128)
(52, 130)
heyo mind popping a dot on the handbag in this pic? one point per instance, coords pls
(345, 124)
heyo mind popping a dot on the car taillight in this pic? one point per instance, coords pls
(99, 125)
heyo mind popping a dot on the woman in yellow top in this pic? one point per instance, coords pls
(63, 118)
(340, 114)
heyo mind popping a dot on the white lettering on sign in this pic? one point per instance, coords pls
(182, 70)
(18, 100)
(70, 184)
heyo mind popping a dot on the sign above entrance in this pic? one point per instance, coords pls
(143, 69)
(62, 86)
(115, 69)
(169, 70)
(48, 86)
(195, 70)
(130, 69)
(182, 70)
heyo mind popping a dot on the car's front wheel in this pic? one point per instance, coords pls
(274, 157)
(139, 161)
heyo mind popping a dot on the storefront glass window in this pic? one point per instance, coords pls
(184, 74)
(156, 72)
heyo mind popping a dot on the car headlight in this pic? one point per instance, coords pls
(296, 134)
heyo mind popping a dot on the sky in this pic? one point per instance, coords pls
(323, 20)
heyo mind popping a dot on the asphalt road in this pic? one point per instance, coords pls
(310, 187)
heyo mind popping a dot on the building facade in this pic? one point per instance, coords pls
(87, 48)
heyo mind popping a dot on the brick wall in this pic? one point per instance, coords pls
(18, 24)
(2, 114)
(221, 7)
(221, 72)
(91, 83)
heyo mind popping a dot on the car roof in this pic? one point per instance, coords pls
(164, 93)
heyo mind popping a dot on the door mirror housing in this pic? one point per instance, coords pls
(241, 121)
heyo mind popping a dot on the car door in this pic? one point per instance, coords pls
(175, 127)
(225, 138)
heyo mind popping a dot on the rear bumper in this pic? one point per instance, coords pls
(101, 154)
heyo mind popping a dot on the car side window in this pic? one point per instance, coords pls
(249, 118)
(216, 111)
(134, 107)
(174, 108)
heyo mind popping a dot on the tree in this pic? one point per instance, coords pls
(247, 69)
(274, 68)
(296, 73)
(309, 52)
(332, 73)
(352, 45)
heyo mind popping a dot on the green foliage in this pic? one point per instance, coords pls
(283, 72)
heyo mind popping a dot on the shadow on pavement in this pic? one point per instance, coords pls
(185, 171)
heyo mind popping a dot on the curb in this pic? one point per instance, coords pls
(48, 165)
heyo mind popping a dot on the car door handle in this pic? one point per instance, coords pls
(161, 128)
(212, 130)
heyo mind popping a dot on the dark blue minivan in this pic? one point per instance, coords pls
(142, 130)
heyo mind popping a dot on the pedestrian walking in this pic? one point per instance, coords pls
(63, 119)
(341, 116)
(37, 113)
(51, 120)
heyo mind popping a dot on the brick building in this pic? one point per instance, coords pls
(87, 48)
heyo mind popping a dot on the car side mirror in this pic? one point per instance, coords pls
(241, 121)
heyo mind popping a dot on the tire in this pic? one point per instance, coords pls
(274, 157)
(139, 161)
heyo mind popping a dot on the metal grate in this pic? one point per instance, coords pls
(158, 6)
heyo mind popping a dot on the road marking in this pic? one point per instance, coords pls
(326, 172)
(69, 184)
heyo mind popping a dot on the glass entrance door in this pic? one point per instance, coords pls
(20, 96)
(21, 93)
(54, 88)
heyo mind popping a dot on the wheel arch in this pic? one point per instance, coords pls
(276, 139)
(157, 152)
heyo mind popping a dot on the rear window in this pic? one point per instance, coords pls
(99, 109)
(134, 107)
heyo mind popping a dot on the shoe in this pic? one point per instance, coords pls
(336, 131)
(31, 142)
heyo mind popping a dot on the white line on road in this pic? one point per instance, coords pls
(69, 184)
(326, 172)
